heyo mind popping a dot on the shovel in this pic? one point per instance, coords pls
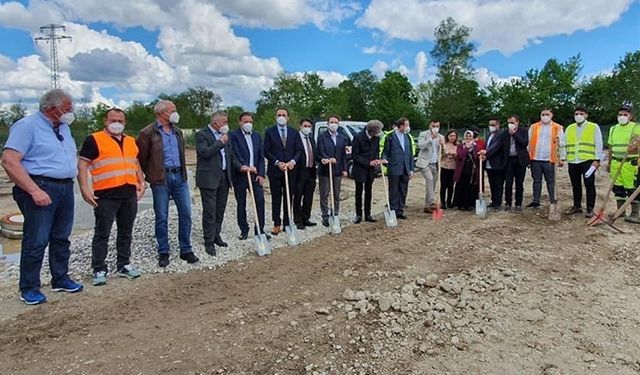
(334, 220)
(481, 204)
(389, 215)
(620, 211)
(599, 216)
(292, 232)
(438, 213)
(260, 242)
(554, 208)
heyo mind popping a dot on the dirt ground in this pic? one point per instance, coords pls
(510, 294)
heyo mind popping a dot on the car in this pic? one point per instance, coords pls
(348, 129)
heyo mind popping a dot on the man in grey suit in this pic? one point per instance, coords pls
(215, 161)
(399, 159)
(430, 143)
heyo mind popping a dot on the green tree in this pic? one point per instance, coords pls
(393, 98)
(233, 112)
(365, 82)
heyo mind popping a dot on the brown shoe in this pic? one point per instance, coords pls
(276, 230)
(428, 210)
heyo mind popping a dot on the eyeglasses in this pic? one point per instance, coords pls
(56, 130)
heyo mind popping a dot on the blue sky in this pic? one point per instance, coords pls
(123, 51)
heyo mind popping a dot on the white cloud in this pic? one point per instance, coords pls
(331, 79)
(484, 77)
(421, 65)
(379, 68)
(504, 25)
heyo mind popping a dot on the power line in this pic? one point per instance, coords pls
(51, 37)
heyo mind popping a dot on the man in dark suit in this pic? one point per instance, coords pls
(495, 156)
(365, 149)
(214, 164)
(517, 162)
(399, 159)
(305, 176)
(331, 149)
(247, 149)
(282, 153)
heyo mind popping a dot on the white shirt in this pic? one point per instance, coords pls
(305, 139)
(247, 138)
(435, 142)
(543, 148)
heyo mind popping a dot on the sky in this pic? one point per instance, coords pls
(124, 50)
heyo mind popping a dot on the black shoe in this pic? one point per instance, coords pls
(220, 242)
(402, 216)
(211, 250)
(189, 257)
(300, 226)
(370, 219)
(268, 236)
(325, 222)
(243, 236)
(533, 205)
(358, 219)
(308, 223)
(574, 210)
(163, 260)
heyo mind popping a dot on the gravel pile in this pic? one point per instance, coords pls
(426, 315)
(144, 245)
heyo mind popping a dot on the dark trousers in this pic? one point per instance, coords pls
(576, 174)
(303, 194)
(398, 187)
(367, 186)
(123, 211)
(538, 170)
(241, 192)
(446, 187)
(279, 199)
(514, 172)
(496, 185)
(214, 202)
(45, 226)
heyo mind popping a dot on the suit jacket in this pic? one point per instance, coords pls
(498, 149)
(242, 155)
(364, 149)
(327, 150)
(400, 161)
(425, 145)
(209, 160)
(521, 138)
(302, 163)
(274, 150)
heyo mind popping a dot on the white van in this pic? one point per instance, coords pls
(348, 129)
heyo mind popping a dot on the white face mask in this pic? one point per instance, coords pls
(623, 120)
(67, 118)
(174, 118)
(281, 120)
(115, 128)
(406, 130)
(305, 131)
(224, 129)
(579, 119)
(545, 119)
(493, 129)
(435, 130)
(333, 127)
(247, 127)
(512, 126)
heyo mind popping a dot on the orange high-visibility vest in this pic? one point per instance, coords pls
(533, 141)
(114, 166)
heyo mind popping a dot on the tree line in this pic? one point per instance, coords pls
(453, 97)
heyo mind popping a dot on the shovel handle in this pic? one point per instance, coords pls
(286, 184)
(253, 203)
(333, 208)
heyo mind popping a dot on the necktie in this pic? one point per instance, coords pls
(283, 136)
(307, 145)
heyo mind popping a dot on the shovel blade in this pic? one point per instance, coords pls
(596, 219)
(437, 214)
(334, 224)
(390, 218)
(292, 235)
(554, 212)
(261, 245)
(481, 208)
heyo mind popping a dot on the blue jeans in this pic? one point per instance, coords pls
(50, 225)
(178, 190)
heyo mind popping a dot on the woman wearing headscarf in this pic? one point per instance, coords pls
(466, 173)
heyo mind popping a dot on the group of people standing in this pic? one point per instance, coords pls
(507, 153)
(113, 170)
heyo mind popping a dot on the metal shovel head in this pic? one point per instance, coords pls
(390, 218)
(292, 235)
(261, 245)
(334, 224)
(554, 212)
(481, 207)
